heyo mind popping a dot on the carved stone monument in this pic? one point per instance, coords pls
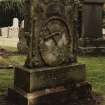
(51, 69)
(92, 41)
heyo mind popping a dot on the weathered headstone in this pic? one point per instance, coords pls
(5, 32)
(11, 31)
(15, 22)
(14, 29)
(92, 41)
(51, 69)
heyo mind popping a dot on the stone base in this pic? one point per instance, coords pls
(44, 97)
(91, 46)
(52, 96)
(45, 86)
(31, 80)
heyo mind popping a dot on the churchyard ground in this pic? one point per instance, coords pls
(95, 73)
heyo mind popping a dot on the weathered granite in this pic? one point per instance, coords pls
(92, 41)
(57, 41)
(94, 1)
(31, 80)
(54, 96)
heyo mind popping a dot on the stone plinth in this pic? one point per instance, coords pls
(92, 41)
(44, 97)
(94, 1)
(35, 79)
(33, 85)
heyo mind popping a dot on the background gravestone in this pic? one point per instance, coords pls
(51, 69)
(14, 29)
(92, 41)
(4, 32)
(11, 31)
(15, 22)
(9, 35)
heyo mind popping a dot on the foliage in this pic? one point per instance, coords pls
(10, 9)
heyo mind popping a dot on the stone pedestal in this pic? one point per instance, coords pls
(92, 41)
(34, 86)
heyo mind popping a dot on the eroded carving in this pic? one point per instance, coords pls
(53, 33)
(55, 42)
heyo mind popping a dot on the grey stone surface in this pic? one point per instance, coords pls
(49, 24)
(92, 37)
(92, 21)
(31, 80)
(94, 1)
(36, 98)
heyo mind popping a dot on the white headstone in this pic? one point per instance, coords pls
(13, 32)
(14, 29)
(103, 30)
(5, 32)
(15, 22)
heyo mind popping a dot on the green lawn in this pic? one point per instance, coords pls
(95, 72)
(6, 75)
(8, 48)
(12, 60)
(6, 80)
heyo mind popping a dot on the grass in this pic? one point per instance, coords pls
(12, 60)
(6, 80)
(6, 75)
(13, 49)
(95, 72)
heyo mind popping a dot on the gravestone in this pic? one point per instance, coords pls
(92, 41)
(5, 32)
(11, 31)
(51, 69)
(14, 29)
(15, 22)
